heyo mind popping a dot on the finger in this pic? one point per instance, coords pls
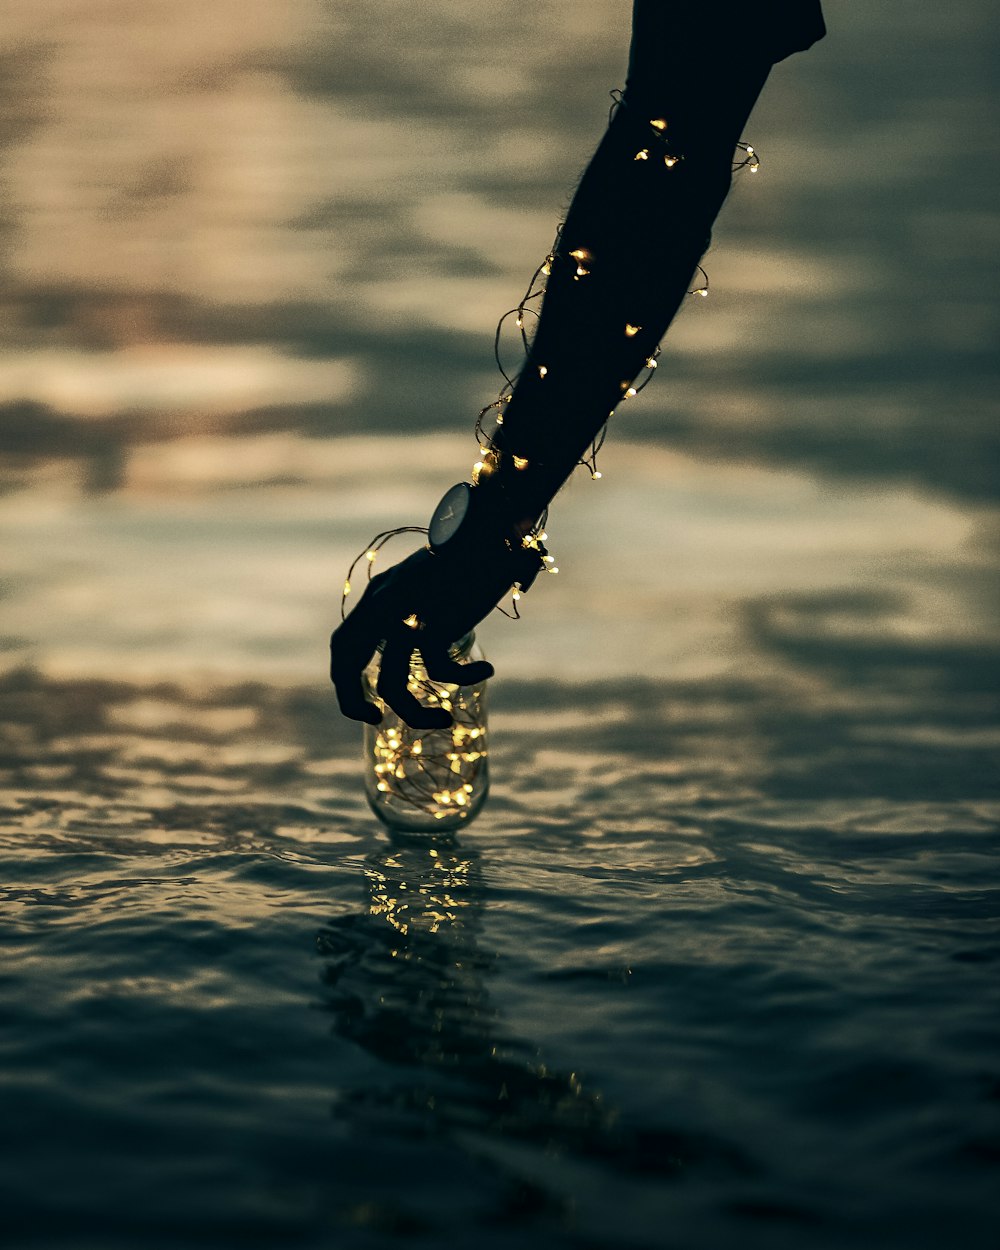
(441, 667)
(393, 676)
(351, 647)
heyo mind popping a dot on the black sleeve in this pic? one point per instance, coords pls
(763, 31)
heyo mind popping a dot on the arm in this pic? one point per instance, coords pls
(638, 225)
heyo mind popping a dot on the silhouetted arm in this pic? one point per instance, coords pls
(639, 223)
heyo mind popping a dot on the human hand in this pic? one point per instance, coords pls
(425, 603)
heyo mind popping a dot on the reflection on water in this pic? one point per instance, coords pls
(716, 964)
(408, 981)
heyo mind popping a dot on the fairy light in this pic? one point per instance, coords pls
(435, 772)
(369, 554)
(751, 158)
(580, 255)
(411, 621)
(703, 289)
(490, 454)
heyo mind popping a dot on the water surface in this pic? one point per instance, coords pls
(717, 964)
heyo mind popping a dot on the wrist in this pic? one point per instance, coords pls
(473, 528)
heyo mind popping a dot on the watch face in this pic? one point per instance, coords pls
(449, 515)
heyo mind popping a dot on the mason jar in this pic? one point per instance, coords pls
(426, 780)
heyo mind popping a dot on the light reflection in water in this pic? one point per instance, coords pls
(408, 980)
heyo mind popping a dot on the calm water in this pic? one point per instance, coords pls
(717, 966)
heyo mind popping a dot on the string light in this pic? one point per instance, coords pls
(436, 773)
(369, 554)
(751, 158)
(703, 289)
(490, 454)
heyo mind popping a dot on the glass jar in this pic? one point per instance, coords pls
(429, 779)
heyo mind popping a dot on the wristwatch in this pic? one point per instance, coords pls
(466, 524)
(450, 527)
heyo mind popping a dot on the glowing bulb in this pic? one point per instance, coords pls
(643, 155)
(631, 331)
(520, 462)
(581, 253)
(670, 161)
(499, 418)
(651, 363)
(542, 536)
(749, 150)
(703, 292)
(630, 392)
(519, 322)
(370, 555)
(549, 559)
(516, 595)
(658, 123)
(754, 167)
(581, 272)
(347, 588)
(542, 370)
(596, 474)
(411, 621)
